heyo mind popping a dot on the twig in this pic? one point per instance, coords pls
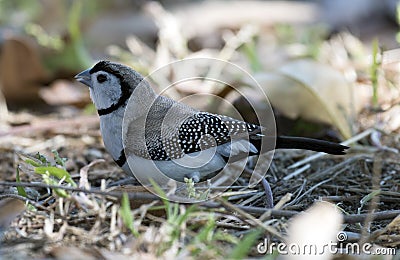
(308, 191)
(337, 169)
(253, 220)
(364, 191)
(381, 231)
(297, 172)
(279, 205)
(376, 141)
(83, 173)
(356, 218)
(132, 195)
(252, 198)
(376, 178)
(298, 192)
(340, 198)
(232, 226)
(352, 218)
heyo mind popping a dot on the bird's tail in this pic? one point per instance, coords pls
(287, 142)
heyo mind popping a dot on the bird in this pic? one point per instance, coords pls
(141, 129)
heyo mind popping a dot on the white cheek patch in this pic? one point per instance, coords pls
(107, 93)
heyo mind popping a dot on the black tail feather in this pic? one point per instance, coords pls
(287, 142)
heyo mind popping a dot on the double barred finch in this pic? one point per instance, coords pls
(181, 141)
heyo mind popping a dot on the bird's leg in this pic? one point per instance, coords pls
(195, 176)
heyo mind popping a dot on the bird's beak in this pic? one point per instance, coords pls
(84, 77)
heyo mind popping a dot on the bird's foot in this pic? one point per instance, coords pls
(195, 176)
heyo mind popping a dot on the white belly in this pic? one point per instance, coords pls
(196, 167)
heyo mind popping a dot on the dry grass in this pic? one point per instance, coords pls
(92, 224)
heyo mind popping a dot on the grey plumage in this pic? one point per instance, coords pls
(178, 139)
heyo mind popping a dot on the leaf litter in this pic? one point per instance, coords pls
(97, 221)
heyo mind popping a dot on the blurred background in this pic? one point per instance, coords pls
(330, 69)
(318, 61)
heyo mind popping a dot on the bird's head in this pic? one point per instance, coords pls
(111, 84)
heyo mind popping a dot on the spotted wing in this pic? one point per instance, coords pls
(202, 131)
(205, 130)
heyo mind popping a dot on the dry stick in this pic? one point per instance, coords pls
(376, 178)
(248, 217)
(364, 191)
(83, 173)
(353, 218)
(297, 172)
(376, 141)
(241, 195)
(350, 219)
(336, 169)
(383, 215)
(309, 191)
(135, 195)
(252, 198)
(232, 226)
(381, 231)
(285, 199)
(297, 192)
(255, 210)
(340, 198)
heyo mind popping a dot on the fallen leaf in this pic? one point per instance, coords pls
(21, 70)
(10, 208)
(311, 91)
(63, 92)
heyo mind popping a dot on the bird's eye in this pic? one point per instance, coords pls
(101, 78)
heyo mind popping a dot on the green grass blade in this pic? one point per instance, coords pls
(20, 189)
(126, 214)
(243, 248)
